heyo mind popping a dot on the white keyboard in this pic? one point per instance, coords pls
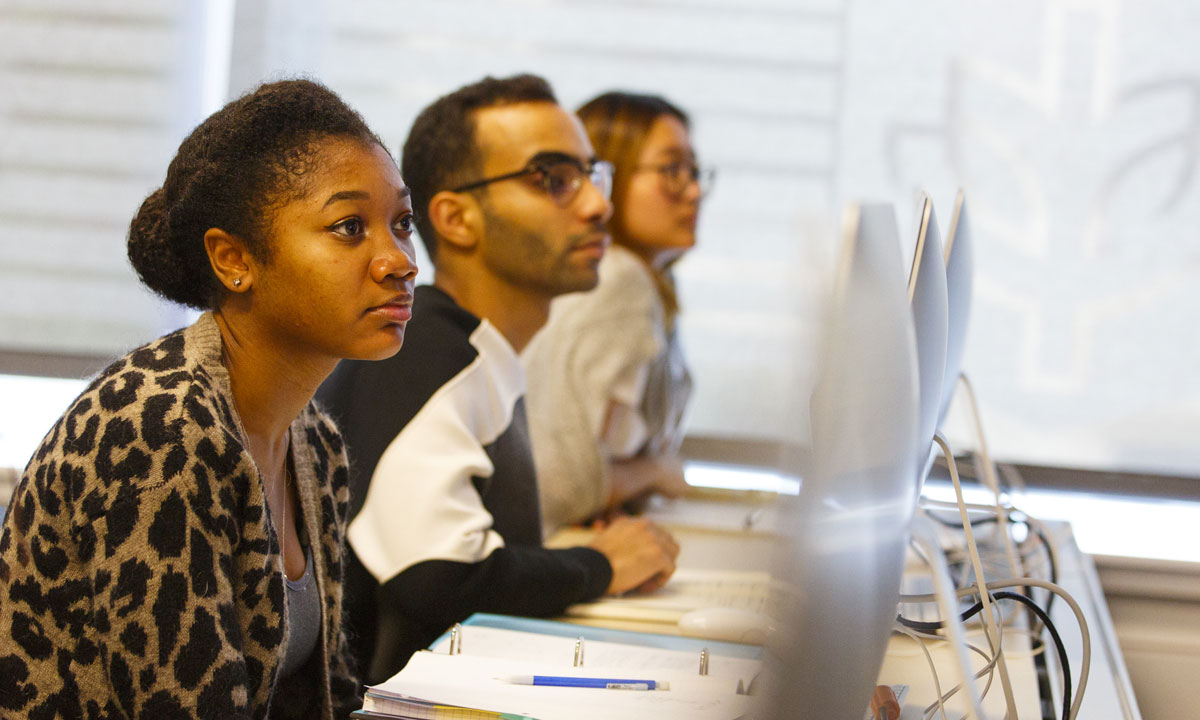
(689, 590)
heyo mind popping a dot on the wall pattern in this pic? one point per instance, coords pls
(1074, 127)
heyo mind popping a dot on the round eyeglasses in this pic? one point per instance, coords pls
(676, 176)
(559, 175)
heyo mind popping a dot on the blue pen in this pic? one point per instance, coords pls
(586, 682)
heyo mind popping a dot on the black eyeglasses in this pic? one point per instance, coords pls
(559, 175)
(676, 176)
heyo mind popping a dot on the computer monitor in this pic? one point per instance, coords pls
(960, 268)
(847, 529)
(928, 299)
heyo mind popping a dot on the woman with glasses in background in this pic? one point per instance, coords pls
(608, 384)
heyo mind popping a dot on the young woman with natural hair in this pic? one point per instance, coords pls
(607, 381)
(174, 547)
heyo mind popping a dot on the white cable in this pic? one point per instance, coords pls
(1043, 536)
(924, 536)
(988, 668)
(1016, 483)
(929, 502)
(988, 614)
(1002, 513)
(937, 685)
(989, 473)
(991, 662)
(1084, 632)
(1046, 536)
(1037, 555)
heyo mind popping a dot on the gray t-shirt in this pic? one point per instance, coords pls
(303, 618)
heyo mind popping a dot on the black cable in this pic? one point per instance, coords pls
(957, 524)
(934, 627)
(1044, 616)
(1012, 519)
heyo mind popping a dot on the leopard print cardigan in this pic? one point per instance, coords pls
(139, 573)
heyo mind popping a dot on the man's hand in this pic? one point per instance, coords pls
(642, 554)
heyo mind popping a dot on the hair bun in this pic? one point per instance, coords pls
(152, 255)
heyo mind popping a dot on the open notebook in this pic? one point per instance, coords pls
(442, 684)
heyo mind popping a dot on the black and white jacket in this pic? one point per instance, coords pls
(445, 516)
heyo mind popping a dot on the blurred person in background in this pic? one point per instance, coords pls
(608, 383)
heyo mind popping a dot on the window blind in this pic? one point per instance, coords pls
(1072, 127)
(760, 79)
(96, 96)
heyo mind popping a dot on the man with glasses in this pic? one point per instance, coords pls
(511, 206)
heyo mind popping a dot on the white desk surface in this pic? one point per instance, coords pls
(713, 534)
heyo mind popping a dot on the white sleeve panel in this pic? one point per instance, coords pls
(421, 503)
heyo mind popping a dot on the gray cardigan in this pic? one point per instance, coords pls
(590, 342)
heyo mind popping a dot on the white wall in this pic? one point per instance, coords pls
(1155, 608)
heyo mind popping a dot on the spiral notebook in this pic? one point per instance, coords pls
(464, 686)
